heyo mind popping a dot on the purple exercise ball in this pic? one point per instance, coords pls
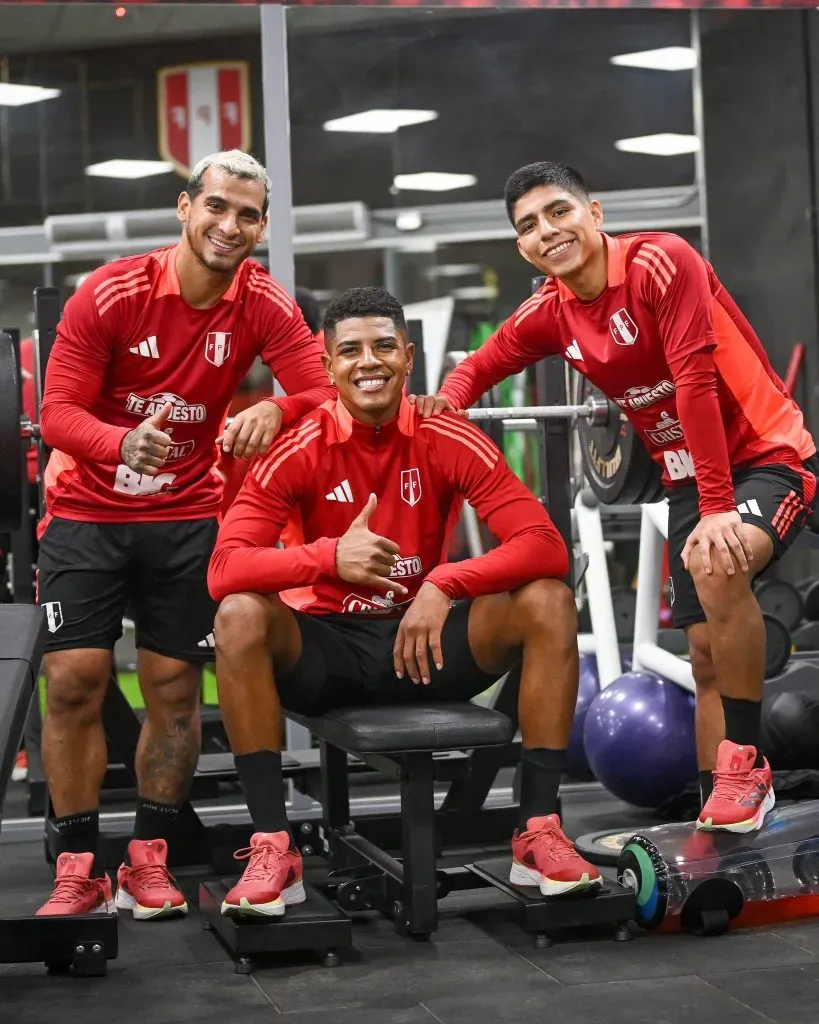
(639, 739)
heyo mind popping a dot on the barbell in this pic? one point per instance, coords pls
(595, 411)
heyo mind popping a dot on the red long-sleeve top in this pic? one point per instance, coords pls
(667, 343)
(127, 344)
(317, 479)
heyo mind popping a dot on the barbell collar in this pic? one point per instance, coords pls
(28, 430)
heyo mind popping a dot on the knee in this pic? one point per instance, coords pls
(243, 622)
(547, 607)
(713, 588)
(702, 664)
(74, 687)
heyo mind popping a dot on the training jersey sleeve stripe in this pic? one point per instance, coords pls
(657, 275)
(527, 308)
(123, 293)
(263, 473)
(469, 434)
(275, 299)
(468, 443)
(101, 292)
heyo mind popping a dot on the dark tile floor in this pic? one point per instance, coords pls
(479, 968)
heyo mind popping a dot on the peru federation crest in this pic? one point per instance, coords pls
(410, 486)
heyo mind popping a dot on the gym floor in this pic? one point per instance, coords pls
(479, 966)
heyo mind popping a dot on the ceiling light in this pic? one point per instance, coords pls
(129, 169)
(409, 220)
(667, 58)
(20, 95)
(664, 144)
(381, 122)
(432, 181)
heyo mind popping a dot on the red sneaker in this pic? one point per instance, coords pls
(75, 892)
(543, 856)
(146, 886)
(742, 794)
(19, 773)
(271, 880)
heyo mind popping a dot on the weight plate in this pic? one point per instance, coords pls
(777, 646)
(603, 848)
(617, 466)
(810, 599)
(12, 465)
(782, 600)
(656, 885)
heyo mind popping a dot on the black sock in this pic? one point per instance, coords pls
(79, 833)
(262, 782)
(742, 723)
(154, 820)
(540, 772)
(706, 785)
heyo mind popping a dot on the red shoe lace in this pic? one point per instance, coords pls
(729, 784)
(71, 888)
(262, 861)
(152, 876)
(553, 843)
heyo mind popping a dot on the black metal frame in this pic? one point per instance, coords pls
(363, 874)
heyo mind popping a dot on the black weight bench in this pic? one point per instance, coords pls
(417, 745)
(84, 943)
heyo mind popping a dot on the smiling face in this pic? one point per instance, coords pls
(558, 231)
(224, 223)
(369, 360)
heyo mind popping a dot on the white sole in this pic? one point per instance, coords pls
(276, 908)
(741, 827)
(521, 875)
(108, 907)
(125, 901)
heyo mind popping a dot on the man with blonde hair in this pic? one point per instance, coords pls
(148, 356)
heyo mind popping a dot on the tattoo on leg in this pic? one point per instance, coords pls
(167, 758)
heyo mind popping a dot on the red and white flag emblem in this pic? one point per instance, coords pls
(622, 327)
(203, 108)
(410, 486)
(217, 347)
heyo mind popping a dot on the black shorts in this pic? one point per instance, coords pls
(347, 660)
(91, 575)
(769, 497)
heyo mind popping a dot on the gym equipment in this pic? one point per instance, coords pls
(778, 645)
(577, 764)
(594, 410)
(809, 590)
(624, 602)
(789, 732)
(806, 637)
(782, 600)
(402, 742)
(12, 466)
(617, 464)
(83, 944)
(639, 739)
(685, 879)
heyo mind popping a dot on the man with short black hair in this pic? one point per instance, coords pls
(358, 607)
(646, 319)
(147, 358)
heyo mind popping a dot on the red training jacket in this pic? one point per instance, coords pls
(317, 478)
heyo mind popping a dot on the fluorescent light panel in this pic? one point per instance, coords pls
(667, 58)
(128, 169)
(20, 95)
(432, 181)
(663, 144)
(379, 122)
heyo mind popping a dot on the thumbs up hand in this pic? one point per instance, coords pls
(145, 448)
(364, 557)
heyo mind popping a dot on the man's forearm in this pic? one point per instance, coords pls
(701, 420)
(295, 406)
(237, 570)
(527, 557)
(77, 432)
